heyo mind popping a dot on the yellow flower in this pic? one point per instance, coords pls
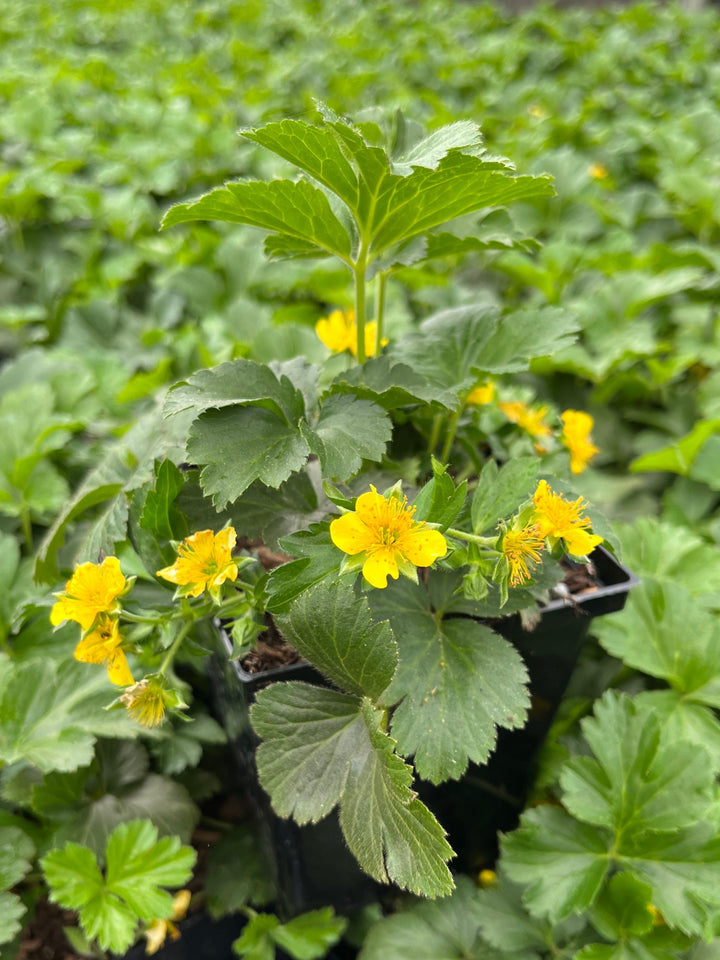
(487, 878)
(576, 437)
(159, 930)
(531, 419)
(520, 548)
(482, 394)
(147, 701)
(383, 529)
(339, 332)
(102, 645)
(204, 562)
(560, 519)
(598, 171)
(92, 590)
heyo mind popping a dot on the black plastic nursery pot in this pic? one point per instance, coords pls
(312, 865)
(201, 938)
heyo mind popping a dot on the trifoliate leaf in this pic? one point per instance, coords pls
(323, 747)
(634, 784)
(433, 930)
(239, 445)
(456, 682)
(333, 629)
(138, 865)
(293, 209)
(347, 432)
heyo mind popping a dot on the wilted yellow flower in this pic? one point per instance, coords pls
(576, 437)
(93, 589)
(159, 930)
(531, 419)
(148, 700)
(204, 562)
(657, 917)
(339, 332)
(102, 645)
(383, 529)
(598, 171)
(560, 519)
(521, 548)
(482, 394)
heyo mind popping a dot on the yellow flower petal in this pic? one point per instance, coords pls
(561, 519)
(204, 562)
(102, 645)
(93, 589)
(337, 331)
(530, 419)
(155, 936)
(482, 394)
(424, 546)
(576, 436)
(118, 669)
(351, 534)
(581, 543)
(380, 565)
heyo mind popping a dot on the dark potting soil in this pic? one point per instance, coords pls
(44, 937)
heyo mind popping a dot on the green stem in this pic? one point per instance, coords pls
(359, 271)
(471, 537)
(26, 524)
(170, 655)
(379, 311)
(138, 618)
(4, 645)
(452, 427)
(434, 436)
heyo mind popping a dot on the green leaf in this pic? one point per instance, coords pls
(429, 151)
(681, 719)
(663, 631)
(621, 911)
(318, 559)
(448, 245)
(293, 209)
(562, 861)
(665, 552)
(505, 922)
(12, 909)
(49, 715)
(322, 748)
(137, 866)
(409, 206)
(456, 682)
(159, 513)
(439, 501)
(256, 941)
(500, 492)
(237, 383)
(270, 450)
(271, 514)
(392, 384)
(237, 873)
(16, 851)
(347, 431)
(678, 457)
(432, 930)
(635, 784)
(333, 629)
(310, 936)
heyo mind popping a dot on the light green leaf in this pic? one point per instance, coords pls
(310, 936)
(237, 872)
(332, 628)
(433, 930)
(429, 151)
(323, 747)
(12, 909)
(346, 432)
(49, 715)
(440, 501)
(448, 245)
(667, 552)
(562, 861)
(681, 719)
(678, 457)
(621, 911)
(293, 209)
(635, 785)
(665, 632)
(256, 941)
(456, 682)
(16, 851)
(238, 445)
(525, 334)
(505, 922)
(500, 492)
